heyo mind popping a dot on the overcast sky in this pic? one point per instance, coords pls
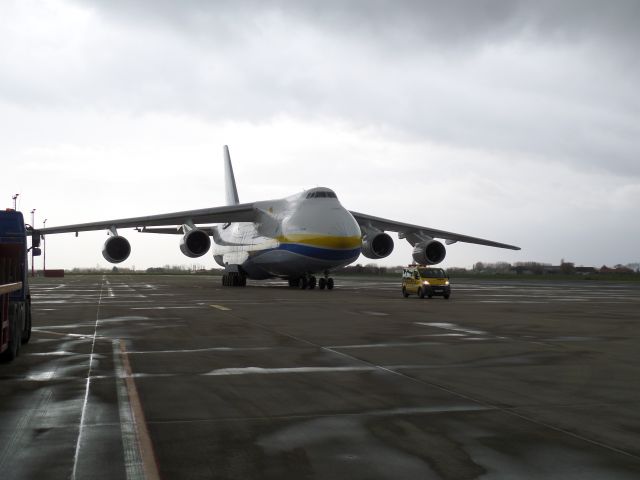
(516, 121)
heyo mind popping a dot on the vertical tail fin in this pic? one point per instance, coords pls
(229, 179)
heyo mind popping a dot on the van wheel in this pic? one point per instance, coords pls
(421, 292)
(404, 292)
(446, 297)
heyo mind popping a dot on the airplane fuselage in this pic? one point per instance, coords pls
(293, 237)
(308, 233)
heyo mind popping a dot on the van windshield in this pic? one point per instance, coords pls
(432, 273)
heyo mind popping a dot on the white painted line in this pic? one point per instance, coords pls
(165, 308)
(197, 350)
(269, 371)
(451, 326)
(220, 307)
(384, 345)
(58, 353)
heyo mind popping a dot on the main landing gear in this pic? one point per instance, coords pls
(325, 283)
(234, 279)
(310, 282)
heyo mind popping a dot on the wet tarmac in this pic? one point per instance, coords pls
(178, 378)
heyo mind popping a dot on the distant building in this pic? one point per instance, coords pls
(616, 269)
(586, 270)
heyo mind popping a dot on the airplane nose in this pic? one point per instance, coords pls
(336, 227)
(347, 225)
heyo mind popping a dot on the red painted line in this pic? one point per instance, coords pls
(149, 461)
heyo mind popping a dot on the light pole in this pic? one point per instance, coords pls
(33, 222)
(15, 201)
(44, 249)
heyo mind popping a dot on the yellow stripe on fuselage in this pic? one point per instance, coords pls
(322, 241)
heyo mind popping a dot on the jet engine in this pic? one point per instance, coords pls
(116, 249)
(429, 252)
(376, 245)
(195, 243)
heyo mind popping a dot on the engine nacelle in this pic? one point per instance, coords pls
(116, 249)
(195, 243)
(377, 245)
(429, 252)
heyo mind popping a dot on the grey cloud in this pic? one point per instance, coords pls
(563, 91)
(445, 23)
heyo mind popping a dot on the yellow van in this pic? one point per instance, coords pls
(425, 281)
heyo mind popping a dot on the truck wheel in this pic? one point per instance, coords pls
(421, 292)
(26, 333)
(14, 342)
(446, 297)
(404, 292)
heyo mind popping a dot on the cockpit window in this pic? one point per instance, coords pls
(321, 194)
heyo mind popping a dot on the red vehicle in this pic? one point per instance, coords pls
(15, 297)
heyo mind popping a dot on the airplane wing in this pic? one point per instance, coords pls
(416, 233)
(244, 212)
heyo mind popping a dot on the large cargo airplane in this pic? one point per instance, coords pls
(294, 238)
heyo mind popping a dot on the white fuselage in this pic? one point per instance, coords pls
(303, 234)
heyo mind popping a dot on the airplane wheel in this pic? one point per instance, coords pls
(322, 283)
(312, 282)
(330, 284)
(302, 283)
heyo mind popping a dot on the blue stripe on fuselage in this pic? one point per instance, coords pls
(330, 254)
